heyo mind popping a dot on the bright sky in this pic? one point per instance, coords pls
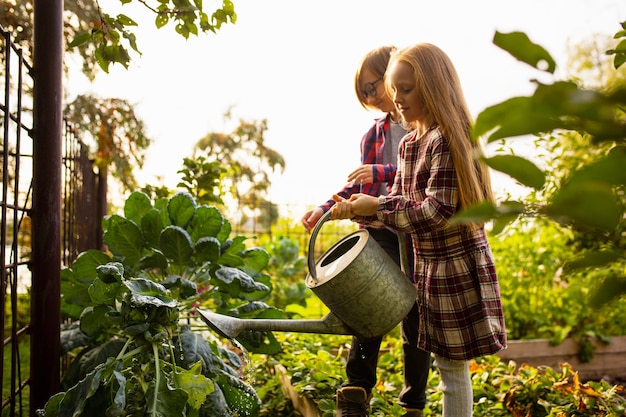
(293, 62)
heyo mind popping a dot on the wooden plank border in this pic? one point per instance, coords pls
(609, 360)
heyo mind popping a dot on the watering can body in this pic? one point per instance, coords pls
(366, 292)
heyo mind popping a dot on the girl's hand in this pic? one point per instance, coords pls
(357, 205)
(362, 175)
(310, 218)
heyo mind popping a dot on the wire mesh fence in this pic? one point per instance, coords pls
(16, 202)
(82, 206)
(265, 230)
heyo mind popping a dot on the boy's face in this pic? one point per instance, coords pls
(373, 89)
(406, 96)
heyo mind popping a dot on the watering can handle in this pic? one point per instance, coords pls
(314, 233)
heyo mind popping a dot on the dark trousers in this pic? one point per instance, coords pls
(363, 356)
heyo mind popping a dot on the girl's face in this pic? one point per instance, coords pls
(406, 97)
(373, 89)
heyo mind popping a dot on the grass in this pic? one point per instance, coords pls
(22, 372)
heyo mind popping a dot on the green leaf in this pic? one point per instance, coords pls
(84, 267)
(102, 61)
(110, 272)
(74, 295)
(519, 168)
(561, 105)
(500, 223)
(611, 288)
(105, 288)
(255, 259)
(166, 401)
(151, 227)
(147, 292)
(118, 389)
(72, 402)
(263, 343)
(136, 206)
(72, 337)
(81, 38)
(216, 404)
(519, 45)
(234, 281)
(224, 233)
(91, 357)
(176, 245)
(609, 169)
(125, 20)
(478, 213)
(508, 212)
(232, 255)
(207, 222)
(95, 320)
(181, 208)
(515, 117)
(124, 239)
(207, 249)
(593, 259)
(154, 261)
(240, 396)
(192, 348)
(185, 287)
(589, 204)
(196, 385)
(161, 20)
(104, 293)
(502, 215)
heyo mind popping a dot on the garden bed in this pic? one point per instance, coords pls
(608, 362)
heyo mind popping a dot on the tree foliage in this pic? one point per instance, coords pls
(100, 38)
(111, 126)
(249, 163)
(587, 193)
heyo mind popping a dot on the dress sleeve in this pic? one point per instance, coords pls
(427, 200)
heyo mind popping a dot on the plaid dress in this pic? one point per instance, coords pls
(458, 293)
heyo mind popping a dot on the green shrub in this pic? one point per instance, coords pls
(539, 300)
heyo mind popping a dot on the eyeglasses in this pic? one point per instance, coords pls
(369, 90)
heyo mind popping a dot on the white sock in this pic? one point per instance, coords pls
(456, 385)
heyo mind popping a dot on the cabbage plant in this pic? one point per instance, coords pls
(136, 345)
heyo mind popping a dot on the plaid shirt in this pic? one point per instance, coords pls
(372, 145)
(458, 293)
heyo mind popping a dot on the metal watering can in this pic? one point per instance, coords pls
(366, 292)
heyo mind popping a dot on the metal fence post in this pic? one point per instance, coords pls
(46, 214)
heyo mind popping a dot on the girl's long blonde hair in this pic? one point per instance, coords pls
(438, 84)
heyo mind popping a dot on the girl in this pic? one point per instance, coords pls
(379, 155)
(460, 312)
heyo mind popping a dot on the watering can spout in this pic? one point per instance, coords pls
(230, 327)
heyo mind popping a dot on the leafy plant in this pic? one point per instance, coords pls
(136, 351)
(289, 268)
(589, 200)
(316, 366)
